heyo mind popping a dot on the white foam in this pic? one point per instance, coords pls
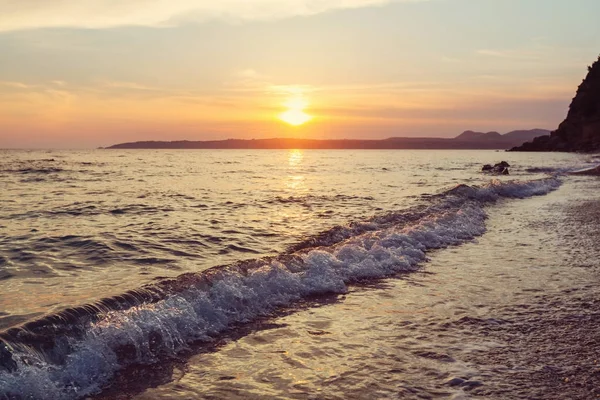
(145, 333)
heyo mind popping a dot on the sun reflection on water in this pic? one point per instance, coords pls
(295, 157)
(295, 180)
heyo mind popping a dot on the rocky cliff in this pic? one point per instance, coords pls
(580, 131)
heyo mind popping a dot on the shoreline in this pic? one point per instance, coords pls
(486, 329)
(554, 349)
(427, 310)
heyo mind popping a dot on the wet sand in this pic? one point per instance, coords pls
(551, 348)
(551, 353)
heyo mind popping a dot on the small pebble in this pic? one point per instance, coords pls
(455, 381)
(472, 384)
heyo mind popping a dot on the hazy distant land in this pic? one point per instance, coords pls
(466, 140)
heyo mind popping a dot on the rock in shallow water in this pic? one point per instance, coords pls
(500, 168)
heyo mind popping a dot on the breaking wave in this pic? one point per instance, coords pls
(76, 352)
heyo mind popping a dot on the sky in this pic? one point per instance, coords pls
(89, 73)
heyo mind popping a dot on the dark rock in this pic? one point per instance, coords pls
(580, 131)
(500, 168)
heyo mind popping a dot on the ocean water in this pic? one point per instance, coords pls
(281, 274)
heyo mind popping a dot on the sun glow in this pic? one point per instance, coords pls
(295, 117)
(295, 114)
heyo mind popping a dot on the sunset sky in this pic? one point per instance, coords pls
(88, 73)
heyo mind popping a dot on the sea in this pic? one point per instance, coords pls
(295, 274)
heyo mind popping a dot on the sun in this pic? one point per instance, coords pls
(295, 114)
(295, 117)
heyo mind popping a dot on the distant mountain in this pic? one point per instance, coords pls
(466, 140)
(520, 136)
(580, 131)
(489, 140)
(470, 135)
(527, 135)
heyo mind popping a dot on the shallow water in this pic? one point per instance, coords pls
(79, 226)
(421, 335)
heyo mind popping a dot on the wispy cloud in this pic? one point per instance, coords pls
(28, 87)
(129, 85)
(35, 14)
(16, 85)
(514, 54)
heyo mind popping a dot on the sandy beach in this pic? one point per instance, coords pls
(558, 333)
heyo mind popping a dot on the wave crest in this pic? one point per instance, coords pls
(71, 354)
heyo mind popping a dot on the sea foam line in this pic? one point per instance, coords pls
(200, 308)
